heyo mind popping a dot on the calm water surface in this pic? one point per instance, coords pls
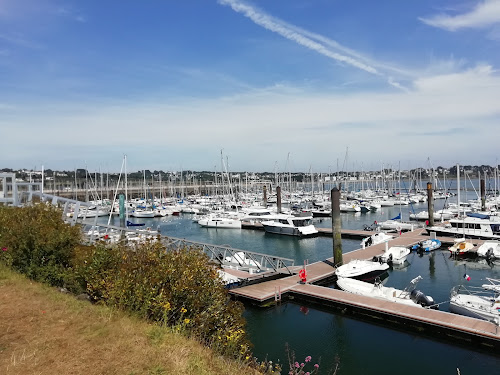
(361, 347)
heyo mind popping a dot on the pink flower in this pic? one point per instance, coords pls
(307, 373)
(316, 365)
(308, 358)
(301, 365)
(4, 249)
(297, 364)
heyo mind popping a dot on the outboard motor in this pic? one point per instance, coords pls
(418, 297)
(389, 259)
(489, 255)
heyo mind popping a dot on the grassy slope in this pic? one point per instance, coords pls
(43, 331)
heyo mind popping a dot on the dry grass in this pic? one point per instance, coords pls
(43, 331)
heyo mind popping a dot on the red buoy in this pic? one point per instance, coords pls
(303, 275)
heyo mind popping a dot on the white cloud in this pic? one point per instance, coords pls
(440, 112)
(313, 41)
(484, 14)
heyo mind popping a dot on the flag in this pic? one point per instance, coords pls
(466, 277)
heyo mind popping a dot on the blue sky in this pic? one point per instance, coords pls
(172, 83)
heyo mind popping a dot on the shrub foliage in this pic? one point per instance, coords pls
(178, 288)
(35, 241)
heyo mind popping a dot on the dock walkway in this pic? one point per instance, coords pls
(447, 325)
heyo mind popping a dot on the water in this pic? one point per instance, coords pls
(362, 347)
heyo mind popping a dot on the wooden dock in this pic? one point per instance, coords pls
(451, 326)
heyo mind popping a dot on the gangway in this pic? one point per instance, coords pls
(224, 255)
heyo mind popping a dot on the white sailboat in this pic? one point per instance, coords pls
(481, 303)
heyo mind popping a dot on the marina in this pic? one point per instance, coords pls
(280, 289)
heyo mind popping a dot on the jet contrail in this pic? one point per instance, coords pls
(294, 34)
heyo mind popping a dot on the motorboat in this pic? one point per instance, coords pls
(394, 255)
(219, 221)
(228, 279)
(321, 212)
(290, 225)
(375, 239)
(396, 224)
(142, 213)
(469, 227)
(489, 250)
(461, 247)
(427, 245)
(93, 211)
(364, 270)
(239, 259)
(438, 215)
(258, 214)
(477, 302)
(408, 296)
(349, 206)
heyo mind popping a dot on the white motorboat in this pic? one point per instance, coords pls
(365, 270)
(300, 226)
(461, 247)
(349, 206)
(439, 215)
(220, 221)
(396, 224)
(481, 303)
(469, 227)
(375, 239)
(409, 296)
(239, 259)
(395, 255)
(139, 212)
(228, 279)
(93, 212)
(489, 249)
(258, 214)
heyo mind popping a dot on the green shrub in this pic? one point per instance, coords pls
(36, 242)
(176, 288)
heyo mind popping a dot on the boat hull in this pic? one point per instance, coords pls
(288, 231)
(474, 307)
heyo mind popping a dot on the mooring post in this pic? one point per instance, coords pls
(430, 204)
(336, 226)
(122, 211)
(264, 190)
(483, 195)
(278, 198)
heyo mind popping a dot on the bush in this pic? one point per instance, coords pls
(36, 242)
(177, 288)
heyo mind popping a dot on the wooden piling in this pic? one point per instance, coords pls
(430, 204)
(483, 195)
(336, 226)
(278, 198)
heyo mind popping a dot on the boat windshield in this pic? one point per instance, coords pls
(301, 222)
(495, 228)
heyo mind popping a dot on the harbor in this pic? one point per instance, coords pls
(284, 294)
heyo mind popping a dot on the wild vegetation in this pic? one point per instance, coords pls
(179, 290)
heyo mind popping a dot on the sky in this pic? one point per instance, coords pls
(275, 85)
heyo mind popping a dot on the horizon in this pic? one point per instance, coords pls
(285, 85)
